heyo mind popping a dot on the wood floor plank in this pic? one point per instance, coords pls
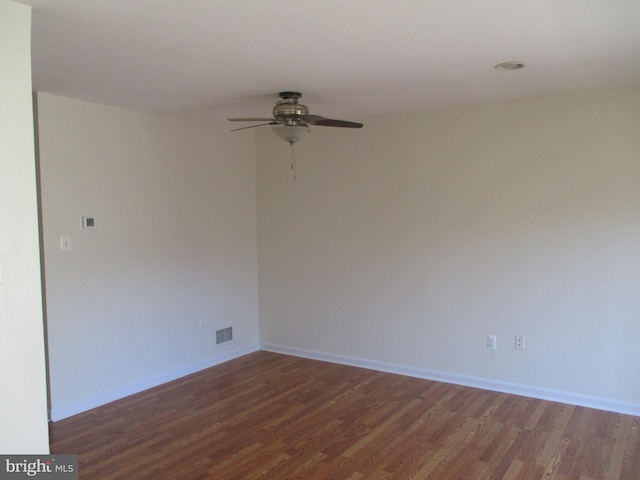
(268, 416)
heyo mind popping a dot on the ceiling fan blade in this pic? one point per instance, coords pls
(329, 122)
(254, 126)
(251, 119)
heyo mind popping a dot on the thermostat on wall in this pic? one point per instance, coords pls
(87, 222)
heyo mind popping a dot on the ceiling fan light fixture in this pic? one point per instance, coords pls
(291, 133)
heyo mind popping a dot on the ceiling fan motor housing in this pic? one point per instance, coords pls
(288, 109)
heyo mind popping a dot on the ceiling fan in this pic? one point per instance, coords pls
(291, 119)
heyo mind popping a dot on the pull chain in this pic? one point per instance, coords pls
(293, 160)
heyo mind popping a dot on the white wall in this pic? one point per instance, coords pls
(404, 244)
(400, 246)
(23, 396)
(174, 244)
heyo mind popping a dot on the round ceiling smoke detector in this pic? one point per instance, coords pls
(508, 66)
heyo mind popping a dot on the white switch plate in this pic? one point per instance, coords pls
(65, 243)
(492, 342)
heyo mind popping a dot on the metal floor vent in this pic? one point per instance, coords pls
(224, 335)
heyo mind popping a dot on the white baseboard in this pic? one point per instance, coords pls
(65, 411)
(468, 381)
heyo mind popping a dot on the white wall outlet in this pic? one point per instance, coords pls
(492, 342)
(520, 342)
(201, 326)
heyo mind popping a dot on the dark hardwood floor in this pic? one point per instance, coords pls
(271, 416)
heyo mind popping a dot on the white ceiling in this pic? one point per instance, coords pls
(214, 59)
